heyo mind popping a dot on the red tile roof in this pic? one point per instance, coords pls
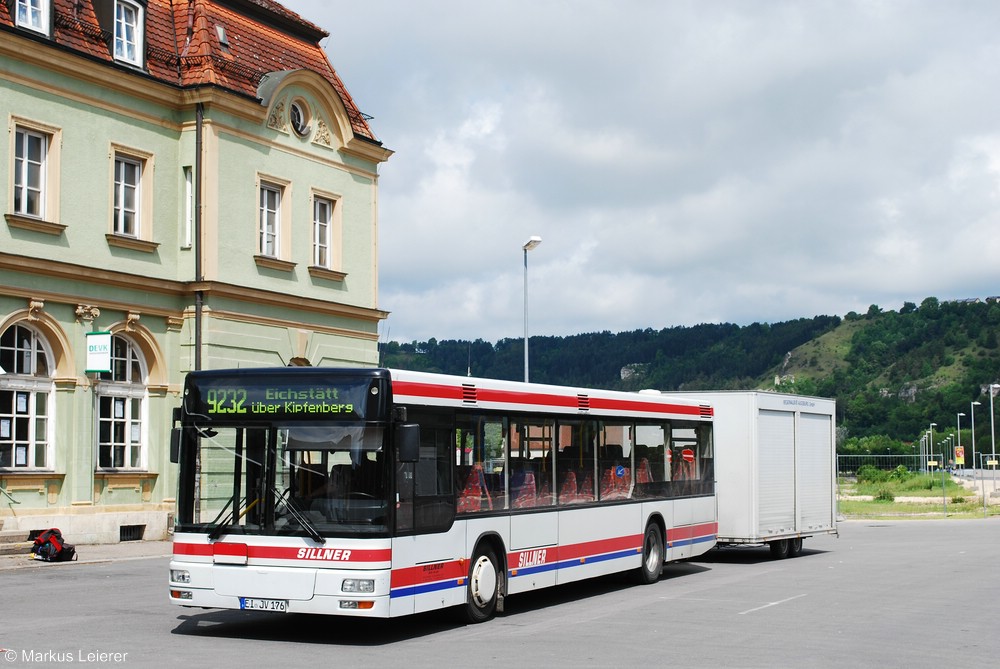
(183, 47)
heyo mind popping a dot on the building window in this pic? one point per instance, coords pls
(299, 116)
(128, 178)
(128, 32)
(322, 229)
(25, 399)
(269, 219)
(30, 153)
(121, 399)
(188, 207)
(33, 14)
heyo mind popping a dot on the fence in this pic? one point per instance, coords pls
(848, 465)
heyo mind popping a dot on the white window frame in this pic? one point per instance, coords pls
(332, 225)
(128, 399)
(188, 205)
(322, 232)
(48, 176)
(23, 181)
(33, 15)
(269, 220)
(127, 200)
(26, 388)
(128, 38)
(118, 233)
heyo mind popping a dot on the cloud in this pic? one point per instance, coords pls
(683, 161)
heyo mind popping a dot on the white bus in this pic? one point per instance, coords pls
(381, 493)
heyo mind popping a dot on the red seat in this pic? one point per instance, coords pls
(586, 491)
(523, 491)
(567, 490)
(471, 497)
(644, 473)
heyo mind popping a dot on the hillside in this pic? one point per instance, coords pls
(891, 372)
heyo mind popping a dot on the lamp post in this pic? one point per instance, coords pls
(972, 420)
(532, 242)
(930, 445)
(958, 421)
(993, 441)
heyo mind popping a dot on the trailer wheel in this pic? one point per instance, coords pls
(483, 586)
(652, 556)
(779, 549)
(794, 546)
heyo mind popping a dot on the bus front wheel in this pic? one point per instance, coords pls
(483, 586)
(652, 556)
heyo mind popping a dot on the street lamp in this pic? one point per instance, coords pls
(972, 419)
(930, 445)
(532, 242)
(958, 421)
(993, 441)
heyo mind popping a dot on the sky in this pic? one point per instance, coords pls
(684, 162)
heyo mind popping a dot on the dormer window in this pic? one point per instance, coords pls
(128, 32)
(220, 31)
(33, 14)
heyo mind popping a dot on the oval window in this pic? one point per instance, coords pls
(299, 118)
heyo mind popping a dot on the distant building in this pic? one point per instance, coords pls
(188, 185)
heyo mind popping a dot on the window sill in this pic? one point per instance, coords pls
(132, 243)
(274, 263)
(34, 224)
(327, 274)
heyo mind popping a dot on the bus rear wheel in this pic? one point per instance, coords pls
(483, 586)
(652, 556)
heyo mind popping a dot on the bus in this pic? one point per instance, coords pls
(381, 493)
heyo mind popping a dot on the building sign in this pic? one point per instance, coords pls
(98, 352)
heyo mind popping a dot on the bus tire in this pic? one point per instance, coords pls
(652, 556)
(794, 546)
(779, 549)
(483, 585)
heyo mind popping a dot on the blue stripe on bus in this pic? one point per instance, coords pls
(425, 588)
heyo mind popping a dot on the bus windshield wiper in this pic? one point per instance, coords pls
(300, 517)
(231, 517)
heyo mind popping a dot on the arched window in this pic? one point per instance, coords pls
(121, 414)
(26, 405)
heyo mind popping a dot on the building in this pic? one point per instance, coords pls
(188, 185)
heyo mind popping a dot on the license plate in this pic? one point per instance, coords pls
(256, 604)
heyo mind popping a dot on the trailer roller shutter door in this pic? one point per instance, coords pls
(815, 462)
(776, 472)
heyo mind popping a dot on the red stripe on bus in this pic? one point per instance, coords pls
(428, 573)
(691, 531)
(591, 548)
(456, 393)
(338, 555)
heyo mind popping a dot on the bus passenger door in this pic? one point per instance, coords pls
(534, 522)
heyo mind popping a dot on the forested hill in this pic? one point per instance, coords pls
(892, 372)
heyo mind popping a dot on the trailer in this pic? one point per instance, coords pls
(775, 468)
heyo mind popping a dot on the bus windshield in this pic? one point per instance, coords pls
(292, 479)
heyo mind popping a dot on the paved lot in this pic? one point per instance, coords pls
(912, 594)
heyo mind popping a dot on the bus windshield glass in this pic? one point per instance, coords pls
(292, 479)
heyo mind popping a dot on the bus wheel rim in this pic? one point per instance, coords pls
(484, 581)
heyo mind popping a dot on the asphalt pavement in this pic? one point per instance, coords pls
(93, 553)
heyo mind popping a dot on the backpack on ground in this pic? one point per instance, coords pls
(50, 547)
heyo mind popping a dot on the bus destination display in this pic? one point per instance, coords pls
(248, 400)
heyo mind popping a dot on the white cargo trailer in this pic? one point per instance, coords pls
(775, 468)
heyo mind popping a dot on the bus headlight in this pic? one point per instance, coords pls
(358, 585)
(180, 576)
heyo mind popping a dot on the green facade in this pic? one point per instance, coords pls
(88, 452)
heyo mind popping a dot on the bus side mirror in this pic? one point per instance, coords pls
(175, 445)
(408, 442)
